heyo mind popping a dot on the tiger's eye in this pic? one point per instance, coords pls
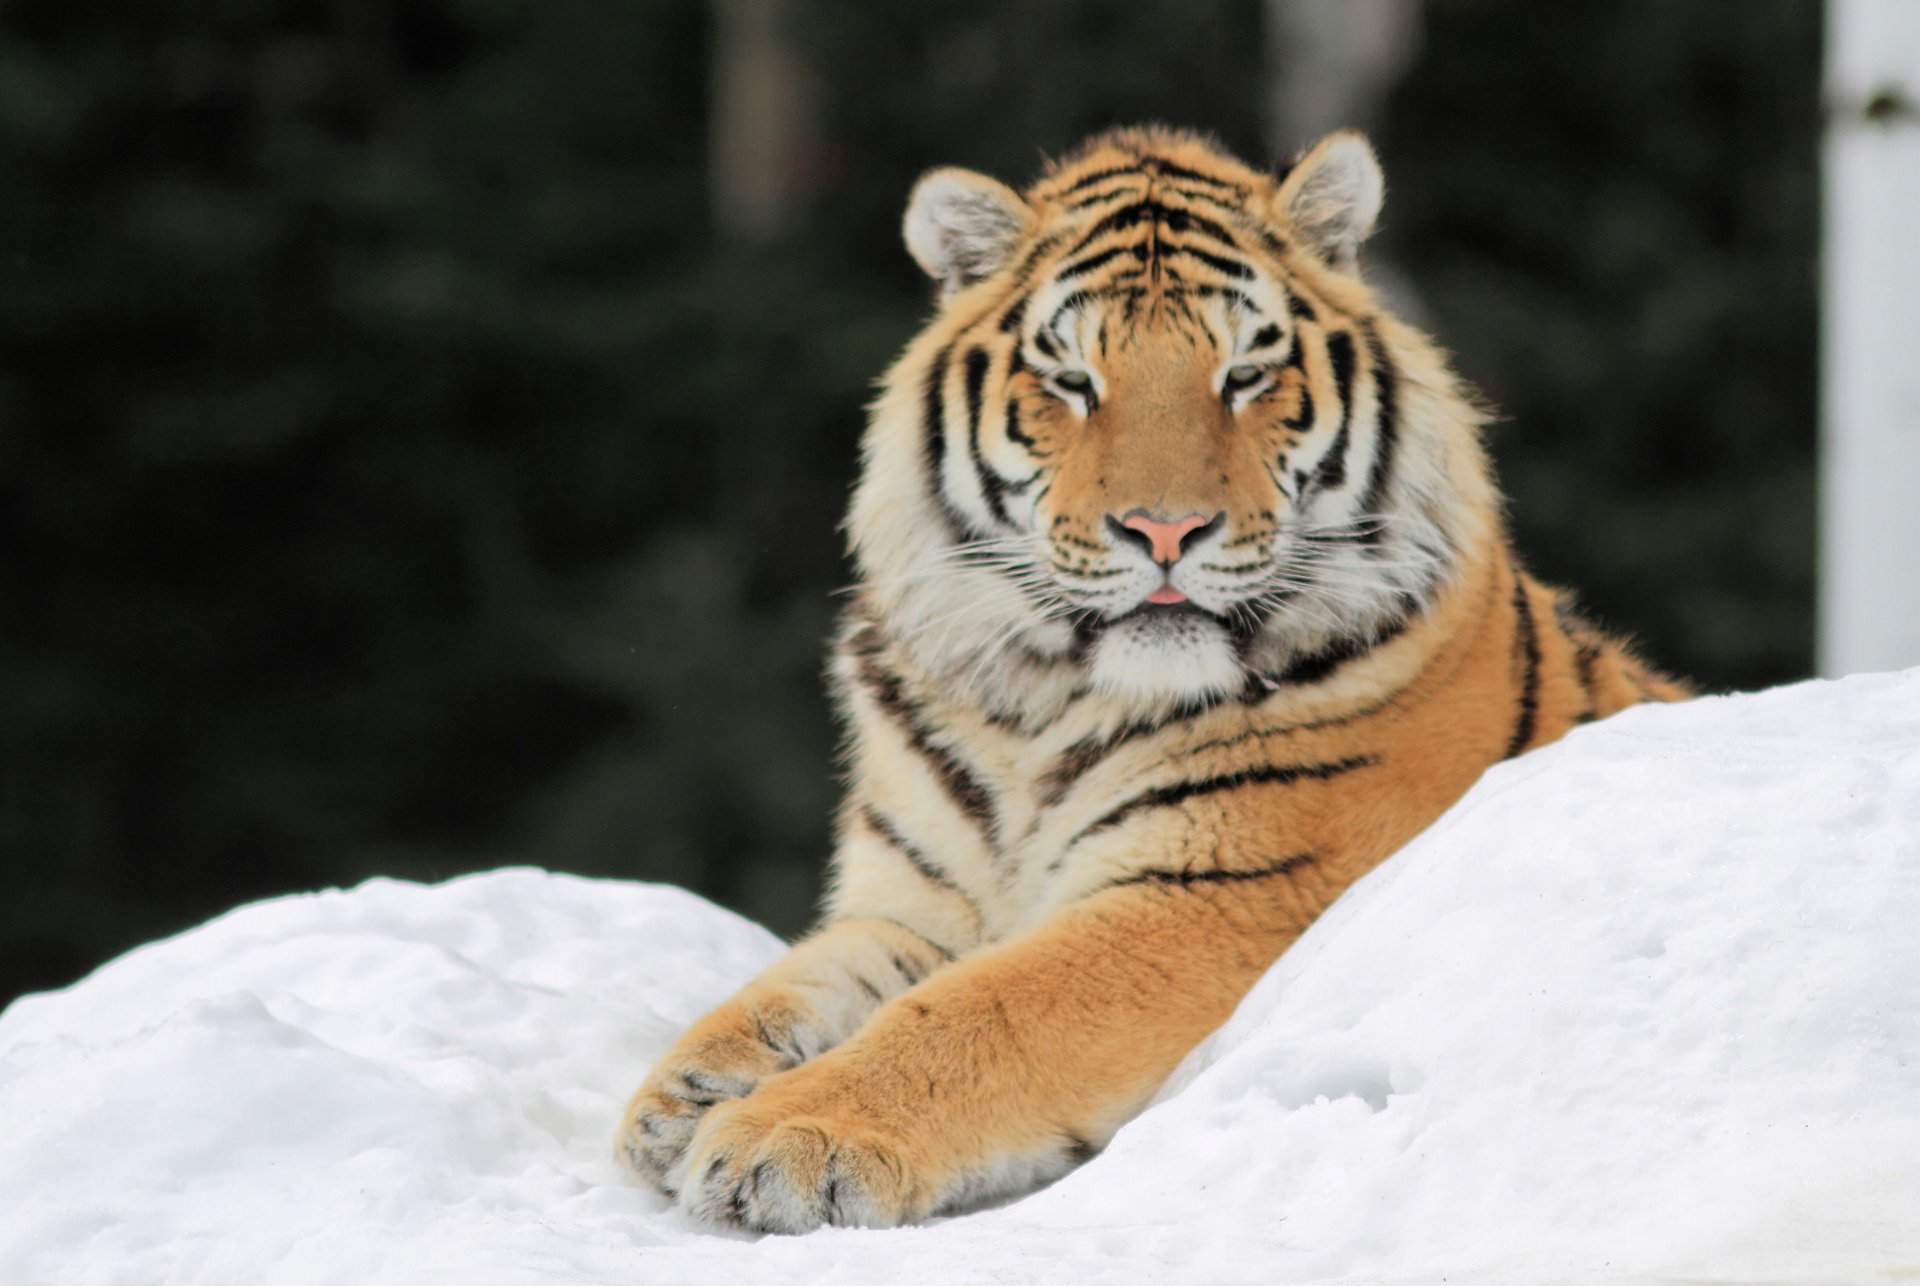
(1074, 381)
(1243, 377)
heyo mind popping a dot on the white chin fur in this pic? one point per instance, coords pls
(1165, 659)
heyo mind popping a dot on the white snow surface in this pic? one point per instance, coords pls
(1645, 1005)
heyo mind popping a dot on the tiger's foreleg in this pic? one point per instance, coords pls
(1004, 1069)
(812, 999)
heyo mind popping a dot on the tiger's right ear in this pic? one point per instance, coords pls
(1331, 196)
(962, 227)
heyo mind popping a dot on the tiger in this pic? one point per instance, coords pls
(1185, 597)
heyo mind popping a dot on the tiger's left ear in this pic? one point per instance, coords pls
(962, 227)
(1332, 195)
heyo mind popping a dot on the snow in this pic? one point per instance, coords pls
(1641, 1007)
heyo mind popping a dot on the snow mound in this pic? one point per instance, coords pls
(1644, 1005)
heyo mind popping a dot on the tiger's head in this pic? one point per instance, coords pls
(1160, 438)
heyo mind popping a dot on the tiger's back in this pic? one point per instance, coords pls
(1186, 599)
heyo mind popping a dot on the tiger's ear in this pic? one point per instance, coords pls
(1332, 195)
(962, 227)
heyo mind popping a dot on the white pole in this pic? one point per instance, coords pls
(1870, 359)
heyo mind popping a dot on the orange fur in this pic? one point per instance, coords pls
(1080, 826)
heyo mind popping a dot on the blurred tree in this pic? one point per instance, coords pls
(764, 146)
(1332, 64)
(1611, 214)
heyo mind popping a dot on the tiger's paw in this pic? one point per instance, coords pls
(770, 1164)
(716, 1063)
(660, 1120)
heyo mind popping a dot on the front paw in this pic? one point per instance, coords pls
(773, 1163)
(660, 1120)
(723, 1062)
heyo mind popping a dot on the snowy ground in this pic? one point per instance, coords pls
(1645, 1005)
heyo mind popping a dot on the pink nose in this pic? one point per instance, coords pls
(1164, 538)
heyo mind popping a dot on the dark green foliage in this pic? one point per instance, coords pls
(1610, 211)
(397, 477)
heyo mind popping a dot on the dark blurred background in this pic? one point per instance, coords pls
(424, 423)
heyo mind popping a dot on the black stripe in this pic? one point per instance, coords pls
(1041, 249)
(1014, 366)
(1287, 730)
(1588, 644)
(1527, 644)
(1151, 211)
(1178, 220)
(1297, 357)
(1083, 755)
(1232, 267)
(1386, 435)
(1118, 192)
(1011, 319)
(907, 969)
(1584, 659)
(1304, 417)
(702, 1089)
(1014, 432)
(1087, 263)
(934, 426)
(1586, 655)
(944, 952)
(1273, 241)
(1320, 665)
(1188, 878)
(1331, 472)
(788, 1049)
(1176, 171)
(966, 793)
(1179, 311)
(933, 414)
(1181, 792)
(992, 487)
(1073, 764)
(882, 826)
(1316, 666)
(1088, 180)
(1300, 308)
(1266, 335)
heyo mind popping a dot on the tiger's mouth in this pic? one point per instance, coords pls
(1168, 626)
(1163, 651)
(1171, 622)
(1182, 624)
(1184, 609)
